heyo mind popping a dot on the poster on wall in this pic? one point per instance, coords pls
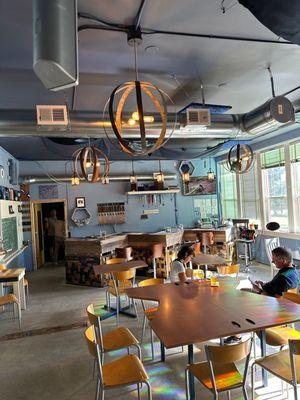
(48, 192)
(199, 185)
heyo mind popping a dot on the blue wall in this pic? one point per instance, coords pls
(115, 192)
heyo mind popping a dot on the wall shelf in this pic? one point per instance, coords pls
(145, 192)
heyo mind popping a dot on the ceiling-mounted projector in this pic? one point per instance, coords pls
(269, 116)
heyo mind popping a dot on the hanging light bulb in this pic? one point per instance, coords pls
(147, 118)
(131, 122)
(133, 180)
(75, 180)
(159, 178)
(210, 172)
(186, 177)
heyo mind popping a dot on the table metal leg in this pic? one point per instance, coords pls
(263, 348)
(16, 289)
(191, 377)
(162, 352)
(22, 293)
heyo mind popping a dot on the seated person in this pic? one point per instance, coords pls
(285, 279)
(179, 271)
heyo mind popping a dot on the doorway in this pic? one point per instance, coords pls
(49, 220)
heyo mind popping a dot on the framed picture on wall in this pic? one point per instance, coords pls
(200, 185)
(80, 202)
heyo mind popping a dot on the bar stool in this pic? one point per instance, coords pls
(247, 252)
(208, 239)
(157, 252)
(124, 252)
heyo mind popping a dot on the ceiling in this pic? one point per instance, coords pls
(233, 72)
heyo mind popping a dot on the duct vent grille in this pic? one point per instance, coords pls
(198, 116)
(52, 115)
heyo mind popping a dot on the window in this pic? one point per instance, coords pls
(208, 207)
(228, 193)
(295, 173)
(249, 195)
(274, 187)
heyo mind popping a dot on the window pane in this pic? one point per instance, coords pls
(296, 193)
(228, 193)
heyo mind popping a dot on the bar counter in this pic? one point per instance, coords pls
(82, 254)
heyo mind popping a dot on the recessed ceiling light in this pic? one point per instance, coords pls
(151, 49)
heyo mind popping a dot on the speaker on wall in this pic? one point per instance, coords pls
(55, 43)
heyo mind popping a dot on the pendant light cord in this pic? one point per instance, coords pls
(135, 62)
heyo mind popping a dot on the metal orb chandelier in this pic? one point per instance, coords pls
(141, 96)
(90, 164)
(240, 158)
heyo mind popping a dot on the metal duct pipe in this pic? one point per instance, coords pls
(269, 116)
(115, 178)
(90, 124)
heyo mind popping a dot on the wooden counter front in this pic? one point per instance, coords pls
(94, 246)
(220, 235)
(167, 239)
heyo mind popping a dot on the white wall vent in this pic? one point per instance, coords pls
(52, 115)
(198, 116)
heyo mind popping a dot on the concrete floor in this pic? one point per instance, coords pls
(57, 365)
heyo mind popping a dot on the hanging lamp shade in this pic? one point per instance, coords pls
(144, 95)
(90, 165)
(240, 158)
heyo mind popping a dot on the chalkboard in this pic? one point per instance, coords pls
(10, 233)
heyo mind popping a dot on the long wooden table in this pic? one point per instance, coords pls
(16, 277)
(196, 312)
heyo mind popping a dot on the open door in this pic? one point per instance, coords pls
(38, 233)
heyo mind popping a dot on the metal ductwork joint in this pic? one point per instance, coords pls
(269, 116)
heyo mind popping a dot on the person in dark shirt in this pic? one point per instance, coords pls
(285, 279)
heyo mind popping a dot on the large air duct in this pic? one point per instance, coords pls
(269, 116)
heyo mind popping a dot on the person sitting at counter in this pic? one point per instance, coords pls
(179, 270)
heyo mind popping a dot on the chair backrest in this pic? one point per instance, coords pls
(2, 267)
(228, 269)
(94, 349)
(292, 296)
(151, 281)
(94, 319)
(122, 276)
(271, 244)
(294, 348)
(115, 260)
(226, 355)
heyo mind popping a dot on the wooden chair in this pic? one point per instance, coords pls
(116, 287)
(120, 338)
(11, 299)
(125, 371)
(278, 336)
(271, 244)
(285, 365)
(26, 285)
(228, 269)
(219, 373)
(149, 313)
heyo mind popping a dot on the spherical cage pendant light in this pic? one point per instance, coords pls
(157, 98)
(240, 158)
(90, 164)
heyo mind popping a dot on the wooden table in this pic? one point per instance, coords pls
(208, 259)
(16, 277)
(197, 312)
(118, 267)
(125, 266)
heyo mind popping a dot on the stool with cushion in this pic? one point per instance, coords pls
(124, 371)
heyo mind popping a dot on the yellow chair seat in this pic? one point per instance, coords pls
(126, 370)
(8, 299)
(226, 375)
(279, 364)
(150, 312)
(280, 335)
(121, 288)
(118, 338)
